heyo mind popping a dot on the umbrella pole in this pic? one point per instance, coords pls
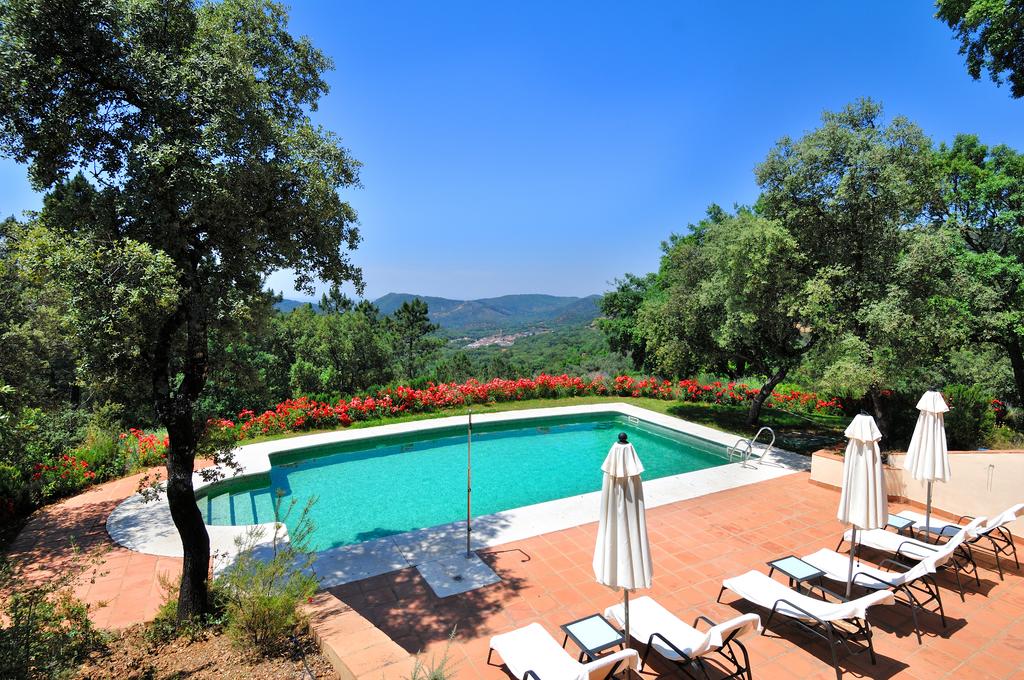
(853, 552)
(469, 483)
(625, 639)
(928, 510)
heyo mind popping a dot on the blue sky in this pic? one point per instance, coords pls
(550, 147)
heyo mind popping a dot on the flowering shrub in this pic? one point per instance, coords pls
(142, 449)
(65, 475)
(999, 410)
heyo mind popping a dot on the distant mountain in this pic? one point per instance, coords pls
(505, 313)
(511, 313)
(289, 305)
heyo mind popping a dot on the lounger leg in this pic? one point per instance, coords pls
(974, 566)
(871, 645)
(938, 600)
(999, 566)
(719, 598)
(960, 586)
(746, 660)
(832, 650)
(913, 611)
(490, 652)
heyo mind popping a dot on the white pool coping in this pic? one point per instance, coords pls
(146, 527)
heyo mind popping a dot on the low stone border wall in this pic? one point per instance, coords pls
(981, 482)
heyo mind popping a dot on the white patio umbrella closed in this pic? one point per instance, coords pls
(863, 502)
(622, 556)
(927, 458)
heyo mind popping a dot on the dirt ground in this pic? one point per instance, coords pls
(130, 655)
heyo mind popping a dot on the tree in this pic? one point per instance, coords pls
(743, 279)
(340, 353)
(619, 309)
(982, 197)
(848, 192)
(991, 34)
(412, 328)
(193, 122)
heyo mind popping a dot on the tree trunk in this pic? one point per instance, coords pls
(878, 411)
(193, 593)
(754, 414)
(176, 410)
(1012, 346)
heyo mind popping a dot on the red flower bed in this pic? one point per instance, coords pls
(303, 413)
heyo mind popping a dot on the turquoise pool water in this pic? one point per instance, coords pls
(389, 485)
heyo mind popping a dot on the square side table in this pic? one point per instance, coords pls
(592, 634)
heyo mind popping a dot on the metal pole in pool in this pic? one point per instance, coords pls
(469, 482)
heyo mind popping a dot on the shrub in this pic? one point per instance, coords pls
(45, 631)
(166, 627)
(103, 453)
(970, 422)
(267, 583)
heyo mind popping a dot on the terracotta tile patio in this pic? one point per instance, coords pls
(372, 626)
(695, 544)
(122, 587)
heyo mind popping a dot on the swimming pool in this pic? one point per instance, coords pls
(386, 485)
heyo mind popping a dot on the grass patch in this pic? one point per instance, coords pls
(803, 434)
(794, 432)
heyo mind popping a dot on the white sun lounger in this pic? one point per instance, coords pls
(917, 550)
(530, 653)
(905, 580)
(661, 630)
(994, 530)
(816, 616)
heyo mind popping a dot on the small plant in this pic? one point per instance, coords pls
(45, 632)
(434, 669)
(266, 584)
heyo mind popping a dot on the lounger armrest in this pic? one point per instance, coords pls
(530, 674)
(629, 656)
(797, 608)
(899, 566)
(668, 643)
(965, 518)
(705, 620)
(871, 577)
(915, 544)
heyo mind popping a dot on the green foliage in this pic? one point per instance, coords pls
(45, 632)
(193, 121)
(266, 583)
(990, 33)
(619, 309)
(574, 350)
(414, 341)
(970, 422)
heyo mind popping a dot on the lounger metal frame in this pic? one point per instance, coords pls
(925, 584)
(961, 560)
(854, 642)
(685, 662)
(1003, 545)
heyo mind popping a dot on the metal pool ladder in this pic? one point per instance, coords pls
(745, 449)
